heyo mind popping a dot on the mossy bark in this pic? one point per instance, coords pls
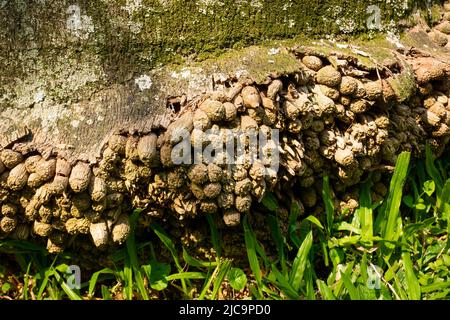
(72, 72)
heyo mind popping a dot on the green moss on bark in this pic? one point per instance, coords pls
(116, 41)
(130, 34)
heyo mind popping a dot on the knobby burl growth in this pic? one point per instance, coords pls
(335, 117)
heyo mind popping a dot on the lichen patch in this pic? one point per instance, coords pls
(144, 82)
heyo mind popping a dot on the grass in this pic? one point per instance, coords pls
(395, 249)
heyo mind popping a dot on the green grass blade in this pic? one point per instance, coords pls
(412, 228)
(392, 209)
(293, 217)
(70, 292)
(48, 273)
(94, 279)
(279, 241)
(365, 293)
(345, 226)
(140, 284)
(128, 279)
(216, 278)
(106, 295)
(215, 238)
(283, 284)
(325, 291)
(193, 262)
(224, 267)
(444, 197)
(344, 241)
(309, 282)
(339, 285)
(147, 269)
(439, 296)
(314, 221)
(300, 261)
(132, 253)
(131, 241)
(186, 275)
(431, 169)
(20, 246)
(352, 291)
(262, 254)
(412, 283)
(366, 214)
(26, 282)
(397, 288)
(421, 172)
(443, 204)
(208, 282)
(391, 271)
(328, 202)
(324, 247)
(270, 202)
(250, 243)
(165, 239)
(435, 286)
(364, 268)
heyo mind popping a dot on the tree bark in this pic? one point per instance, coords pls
(73, 73)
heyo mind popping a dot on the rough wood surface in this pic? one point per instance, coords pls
(71, 73)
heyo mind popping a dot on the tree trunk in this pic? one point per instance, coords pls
(92, 92)
(70, 72)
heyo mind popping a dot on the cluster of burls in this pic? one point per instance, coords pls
(440, 33)
(333, 118)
